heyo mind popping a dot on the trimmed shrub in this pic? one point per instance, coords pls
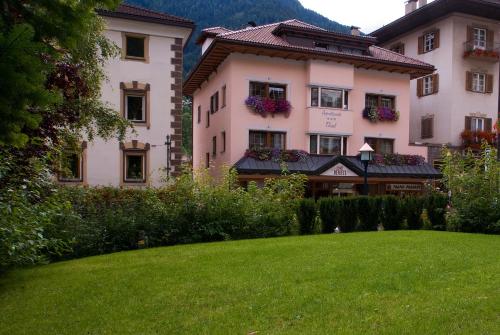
(392, 213)
(306, 215)
(412, 207)
(329, 212)
(368, 213)
(436, 204)
(348, 218)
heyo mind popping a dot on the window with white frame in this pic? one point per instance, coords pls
(428, 85)
(477, 124)
(429, 39)
(327, 144)
(479, 38)
(478, 82)
(329, 97)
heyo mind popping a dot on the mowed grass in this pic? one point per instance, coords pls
(406, 282)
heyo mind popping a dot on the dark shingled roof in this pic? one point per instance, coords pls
(126, 11)
(435, 10)
(315, 165)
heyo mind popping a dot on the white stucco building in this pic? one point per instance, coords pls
(145, 86)
(461, 38)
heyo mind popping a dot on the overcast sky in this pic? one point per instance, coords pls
(366, 14)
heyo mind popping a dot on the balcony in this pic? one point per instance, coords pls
(474, 139)
(488, 53)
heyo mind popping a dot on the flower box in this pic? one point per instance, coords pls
(376, 114)
(266, 106)
(278, 155)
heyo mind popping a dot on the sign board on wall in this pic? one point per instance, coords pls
(404, 187)
(339, 170)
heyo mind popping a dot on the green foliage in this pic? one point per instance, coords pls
(392, 214)
(51, 58)
(329, 212)
(187, 127)
(435, 205)
(28, 209)
(306, 214)
(22, 83)
(348, 218)
(474, 182)
(369, 213)
(412, 208)
(188, 210)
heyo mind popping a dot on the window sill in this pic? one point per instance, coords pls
(136, 59)
(329, 108)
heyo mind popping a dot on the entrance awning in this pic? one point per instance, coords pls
(335, 166)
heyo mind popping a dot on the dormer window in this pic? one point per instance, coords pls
(321, 45)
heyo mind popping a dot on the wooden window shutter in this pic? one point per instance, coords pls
(487, 125)
(436, 39)
(468, 81)
(470, 33)
(420, 87)
(427, 127)
(435, 83)
(431, 127)
(421, 44)
(489, 39)
(489, 84)
(424, 133)
(468, 123)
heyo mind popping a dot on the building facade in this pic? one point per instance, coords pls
(457, 105)
(145, 86)
(300, 90)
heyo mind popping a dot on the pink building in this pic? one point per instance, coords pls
(312, 97)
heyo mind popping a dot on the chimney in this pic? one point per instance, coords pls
(410, 6)
(422, 3)
(355, 31)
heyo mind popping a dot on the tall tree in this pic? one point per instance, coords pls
(51, 66)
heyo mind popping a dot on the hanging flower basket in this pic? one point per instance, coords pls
(277, 155)
(266, 106)
(376, 114)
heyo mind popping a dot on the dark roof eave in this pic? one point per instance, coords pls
(336, 56)
(313, 173)
(425, 70)
(164, 21)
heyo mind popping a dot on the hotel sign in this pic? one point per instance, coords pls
(404, 187)
(339, 170)
(330, 118)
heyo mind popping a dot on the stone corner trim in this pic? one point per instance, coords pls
(176, 111)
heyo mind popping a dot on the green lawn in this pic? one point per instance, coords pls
(378, 283)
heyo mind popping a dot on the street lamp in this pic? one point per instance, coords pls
(366, 156)
(168, 143)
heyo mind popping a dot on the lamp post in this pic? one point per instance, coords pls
(366, 156)
(168, 143)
